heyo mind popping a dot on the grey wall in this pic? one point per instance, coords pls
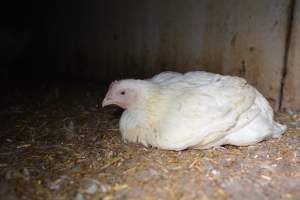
(113, 39)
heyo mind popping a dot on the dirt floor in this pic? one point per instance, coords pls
(56, 144)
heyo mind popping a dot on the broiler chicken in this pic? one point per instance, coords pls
(199, 110)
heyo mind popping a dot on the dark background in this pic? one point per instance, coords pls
(97, 40)
(24, 30)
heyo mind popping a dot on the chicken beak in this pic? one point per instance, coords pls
(106, 101)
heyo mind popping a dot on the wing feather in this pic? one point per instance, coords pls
(204, 114)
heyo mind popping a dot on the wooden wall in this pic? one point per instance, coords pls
(291, 91)
(105, 40)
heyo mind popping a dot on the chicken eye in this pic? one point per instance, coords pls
(123, 93)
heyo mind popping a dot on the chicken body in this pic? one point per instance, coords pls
(196, 110)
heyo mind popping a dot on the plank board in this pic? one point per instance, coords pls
(291, 92)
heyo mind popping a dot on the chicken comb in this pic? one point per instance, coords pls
(112, 84)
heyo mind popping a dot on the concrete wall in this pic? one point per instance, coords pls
(105, 40)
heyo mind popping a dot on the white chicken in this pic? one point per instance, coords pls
(200, 110)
